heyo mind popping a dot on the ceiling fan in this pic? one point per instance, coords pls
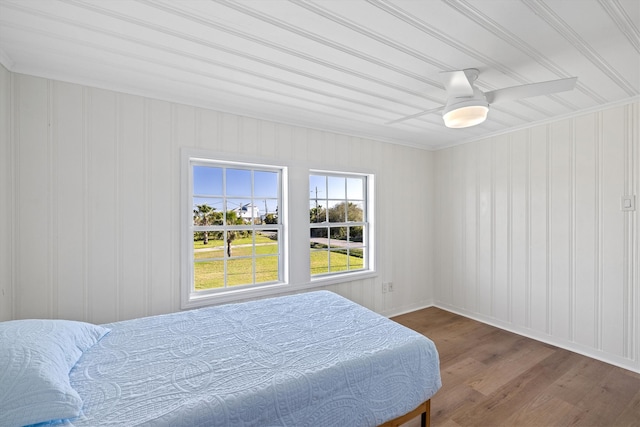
(468, 106)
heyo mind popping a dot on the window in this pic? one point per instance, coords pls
(339, 223)
(235, 228)
(241, 238)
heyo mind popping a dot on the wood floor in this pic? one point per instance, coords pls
(492, 377)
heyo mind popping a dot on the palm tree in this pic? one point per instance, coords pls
(232, 219)
(204, 215)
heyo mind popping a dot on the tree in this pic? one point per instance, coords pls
(205, 215)
(346, 212)
(317, 214)
(270, 218)
(233, 219)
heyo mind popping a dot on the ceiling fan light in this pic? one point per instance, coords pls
(465, 116)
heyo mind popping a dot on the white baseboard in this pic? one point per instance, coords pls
(629, 364)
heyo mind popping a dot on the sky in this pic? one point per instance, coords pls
(208, 188)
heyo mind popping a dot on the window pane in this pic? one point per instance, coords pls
(338, 248)
(319, 236)
(317, 187)
(267, 242)
(207, 211)
(241, 211)
(337, 211)
(265, 184)
(356, 234)
(266, 269)
(239, 271)
(239, 182)
(230, 205)
(336, 187)
(356, 260)
(270, 215)
(355, 188)
(239, 243)
(207, 180)
(338, 236)
(338, 261)
(319, 262)
(317, 212)
(355, 212)
(208, 275)
(207, 245)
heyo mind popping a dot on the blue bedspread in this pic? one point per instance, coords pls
(314, 359)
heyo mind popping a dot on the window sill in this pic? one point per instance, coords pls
(239, 295)
(342, 278)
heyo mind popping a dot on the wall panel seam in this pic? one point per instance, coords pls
(119, 230)
(18, 185)
(626, 241)
(463, 246)
(87, 253)
(14, 220)
(635, 259)
(528, 231)
(174, 287)
(493, 229)
(510, 227)
(52, 287)
(146, 203)
(572, 235)
(630, 235)
(549, 230)
(598, 232)
(477, 234)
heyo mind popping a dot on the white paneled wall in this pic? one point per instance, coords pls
(522, 230)
(531, 236)
(93, 218)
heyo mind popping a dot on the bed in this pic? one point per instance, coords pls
(313, 359)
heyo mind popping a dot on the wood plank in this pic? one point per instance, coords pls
(630, 415)
(544, 410)
(578, 380)
(492, 377)
(507, 369)
(609, 398)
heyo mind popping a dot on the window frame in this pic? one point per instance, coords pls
(192, 298)
(293, 240)
(367, 223)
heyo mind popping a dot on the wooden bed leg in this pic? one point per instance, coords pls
(425, 420)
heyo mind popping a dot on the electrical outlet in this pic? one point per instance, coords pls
(628, 203)
(390, 286)
(385, 288)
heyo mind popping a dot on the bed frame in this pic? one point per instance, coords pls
(424, 409)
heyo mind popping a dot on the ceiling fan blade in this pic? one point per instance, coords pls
(458, 83)
(413, 116)
(532, 89)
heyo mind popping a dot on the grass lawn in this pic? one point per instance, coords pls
(199, 244)
(209, 268)
(320, 263)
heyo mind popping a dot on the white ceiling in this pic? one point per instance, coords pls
(347, 66)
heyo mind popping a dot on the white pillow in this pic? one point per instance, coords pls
(35, 359)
